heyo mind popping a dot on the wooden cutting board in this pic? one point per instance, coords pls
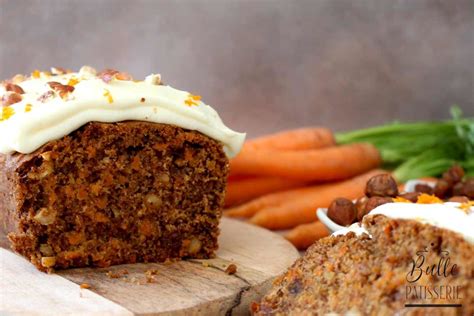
(192, 287)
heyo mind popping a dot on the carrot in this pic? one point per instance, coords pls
(241, 191)
(301, 209)
(273, 199)
(303, 236)
(333, 163)
(296, 139)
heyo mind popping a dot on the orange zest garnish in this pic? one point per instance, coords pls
(108, 95)
(72, 82)
(400, 199)
(192, 100)
(36, 74)
(28, 108)
(466, 207)
(7, 112)
(428, 199)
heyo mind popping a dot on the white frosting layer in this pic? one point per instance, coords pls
(444, 215)
(34, 123)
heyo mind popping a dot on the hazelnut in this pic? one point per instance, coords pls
(458, 189)
(468, 188)
(423, 188)
(453, 175)
(376, 201)
(360, 206)
(342, 211)
(442, 189)
(381, 185)
(411, 196)
(459, 199)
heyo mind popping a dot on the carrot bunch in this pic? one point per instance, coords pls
(278, 181)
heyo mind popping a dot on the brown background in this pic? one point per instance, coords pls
(265, 65)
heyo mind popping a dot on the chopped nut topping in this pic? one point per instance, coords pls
(58, 71)
(87, 70)
(107, 75)
(62, 89)
(10, 98)
(153, 79)
(108, 95)
(45, 97)
(14, 88)
(194, 246)
(123, 76)
(85, 286)
(18, 78)
(46, 250)
(45, 216)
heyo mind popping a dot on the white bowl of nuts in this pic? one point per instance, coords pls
(343, 212)
(382, 188)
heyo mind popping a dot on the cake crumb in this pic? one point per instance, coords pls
(231, 269)
(116, 274)
(85, 286)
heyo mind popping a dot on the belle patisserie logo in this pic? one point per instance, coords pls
(420, 270)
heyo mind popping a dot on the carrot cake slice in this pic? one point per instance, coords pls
(404, 259)
(98, 169)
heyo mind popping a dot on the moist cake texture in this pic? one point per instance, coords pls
(362, 275)
(98, 169)
(112, 193)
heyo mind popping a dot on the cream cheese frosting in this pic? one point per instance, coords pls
(449, 215)
(47, 112)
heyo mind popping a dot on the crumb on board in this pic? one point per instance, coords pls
(231, 269)
(117, 274)
(205, 264)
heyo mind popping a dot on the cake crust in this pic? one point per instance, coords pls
(368, 276)
(113, 193)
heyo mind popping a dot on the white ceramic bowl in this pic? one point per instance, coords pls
(322, 213)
